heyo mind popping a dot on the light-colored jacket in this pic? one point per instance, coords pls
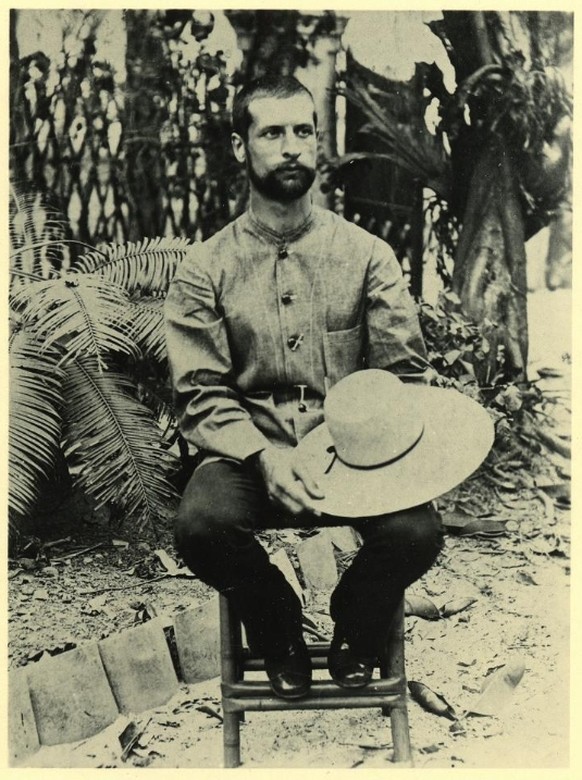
(261, 324)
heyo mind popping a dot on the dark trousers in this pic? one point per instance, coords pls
(223, 505)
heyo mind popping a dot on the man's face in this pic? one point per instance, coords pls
(280, 150)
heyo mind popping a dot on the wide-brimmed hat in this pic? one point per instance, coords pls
(386, 445)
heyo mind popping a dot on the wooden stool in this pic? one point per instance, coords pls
(240, 695)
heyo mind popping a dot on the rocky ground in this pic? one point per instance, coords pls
(503, 582)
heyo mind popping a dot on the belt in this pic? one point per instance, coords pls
(303, 395)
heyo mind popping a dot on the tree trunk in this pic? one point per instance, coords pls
(18, 128)
(144, 61)
(558, 270)
(268, 40)
(490, 263)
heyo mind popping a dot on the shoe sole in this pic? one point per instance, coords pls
(290, 697)
(349, 686)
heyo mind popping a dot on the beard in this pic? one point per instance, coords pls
(285, 184)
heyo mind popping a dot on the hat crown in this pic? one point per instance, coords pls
(371, 418)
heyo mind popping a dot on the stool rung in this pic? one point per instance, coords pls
(320, 689)
(262, 704)
(318, 653)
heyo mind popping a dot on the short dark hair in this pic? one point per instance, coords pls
(266, 86)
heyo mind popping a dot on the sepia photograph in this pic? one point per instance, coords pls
(290, 388)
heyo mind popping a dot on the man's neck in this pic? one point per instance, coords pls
(280, 217)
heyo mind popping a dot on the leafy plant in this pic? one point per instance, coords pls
(88, 374)
(455, 344)
(528, 106)
(456, 350)
(407, 144)
(442, 236)
(524, 105)
(532, 110)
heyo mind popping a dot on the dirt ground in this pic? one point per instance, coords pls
(512, 574)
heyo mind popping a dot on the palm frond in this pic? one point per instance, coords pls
(35, 420)
(409, 146)
(115, 443)
(83, 314)
(150, 372)
(147, 266)
(147, 327)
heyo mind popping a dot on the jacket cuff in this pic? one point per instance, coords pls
(239, 440)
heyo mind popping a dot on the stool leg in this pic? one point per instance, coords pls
(384, 674)
(392, 658)
(392, 664)
(229, 645)
(231, 739)
(401, 735)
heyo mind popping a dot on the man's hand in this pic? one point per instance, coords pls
(288, 481)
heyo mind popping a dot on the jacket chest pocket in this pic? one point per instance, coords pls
(344, 353)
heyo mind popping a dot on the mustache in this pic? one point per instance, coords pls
(291, 167)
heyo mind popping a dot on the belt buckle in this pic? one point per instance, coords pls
(301, 405)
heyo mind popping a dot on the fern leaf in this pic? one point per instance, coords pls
(83, 314)
(35, 420)
(147, 266)
(115, 443)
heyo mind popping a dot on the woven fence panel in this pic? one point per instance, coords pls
(72, 139)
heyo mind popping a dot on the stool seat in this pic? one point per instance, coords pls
(240, 694)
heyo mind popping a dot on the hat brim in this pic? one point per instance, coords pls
(458, 434)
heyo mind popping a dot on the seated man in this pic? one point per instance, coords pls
(262, 319)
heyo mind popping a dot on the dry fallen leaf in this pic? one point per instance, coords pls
(130, 736)
(483, 526)
(420, 606)
(453, 520)
(544, 545)
(210, 711)
(431, 701)
(99, 601)
(526, 577)
(457, 605)
(549, 372)
(498, 689)
(171, 566)
(430, 748)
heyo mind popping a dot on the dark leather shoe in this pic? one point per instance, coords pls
(346, 668)
(290, 672)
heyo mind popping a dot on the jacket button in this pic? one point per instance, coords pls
(294, 342)
(287, 298)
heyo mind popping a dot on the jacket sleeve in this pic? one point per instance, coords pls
(206, 400)
(395, 340)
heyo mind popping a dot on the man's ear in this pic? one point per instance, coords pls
(238, 148)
